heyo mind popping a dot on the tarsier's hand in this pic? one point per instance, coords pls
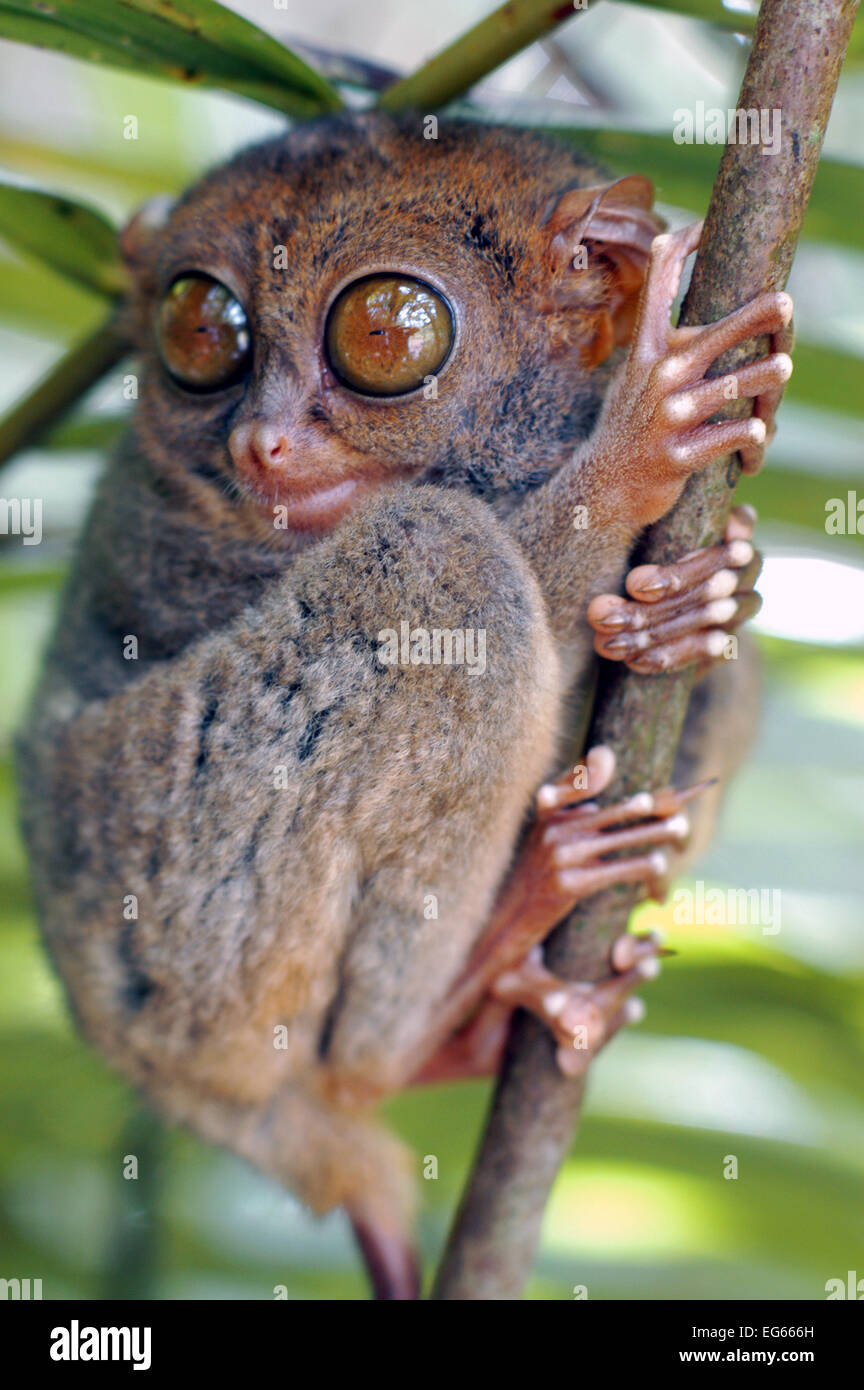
(655, 419)
(683, 613)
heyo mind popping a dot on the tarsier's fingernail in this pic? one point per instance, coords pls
(555, 1002)
(614, 619)
(548, 796)
(679, 826)
(620, 644)
(722, 584)
(749, 511)
(739, 553)
(648, 968)
(654, 586)
(720, 610)
(625, 953)
(573, 1061)
(634, 1011)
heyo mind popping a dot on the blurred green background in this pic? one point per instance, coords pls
(752, 1046)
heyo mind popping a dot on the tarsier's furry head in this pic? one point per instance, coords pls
(354, 303)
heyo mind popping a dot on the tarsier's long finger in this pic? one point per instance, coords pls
(669, 251)
(668, 801)
(741, 523)
(582, 1017)
(769, 313)
(699, 648)
(692, 355)
(682, 613)
(660, 592)
(710, 620)
(566, 789)
(582, 848)
(649, 583)
(650, 870)
(624, 616)
(763, 380)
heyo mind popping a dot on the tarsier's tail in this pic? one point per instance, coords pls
(329, 1158)
(390, 1255)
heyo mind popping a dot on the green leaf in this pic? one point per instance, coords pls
(88, 432)
(39, 302)
(192, 41)
(70, 237)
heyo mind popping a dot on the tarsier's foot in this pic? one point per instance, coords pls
(583, 1017)
(683, 613)
(561, 862)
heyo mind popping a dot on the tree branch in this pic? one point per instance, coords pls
(476, 53)
(751, 231)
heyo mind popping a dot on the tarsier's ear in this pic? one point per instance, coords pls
(140, 233)
(612, 226)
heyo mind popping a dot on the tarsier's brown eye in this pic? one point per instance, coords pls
(386, 333)
(202, 333)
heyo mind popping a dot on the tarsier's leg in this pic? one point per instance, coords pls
(682, 613)
(561, 862)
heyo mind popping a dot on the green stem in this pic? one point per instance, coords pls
(81, 367)
(476, 53)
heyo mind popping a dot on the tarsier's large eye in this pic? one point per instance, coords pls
(386, 333)
(202, 333)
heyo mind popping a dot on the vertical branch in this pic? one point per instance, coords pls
(751, 231)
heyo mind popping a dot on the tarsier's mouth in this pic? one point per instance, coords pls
(320, 509)
(317, 509)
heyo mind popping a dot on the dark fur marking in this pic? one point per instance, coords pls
(208, 715)
(137, 987)
(252, 847)
(311, 735)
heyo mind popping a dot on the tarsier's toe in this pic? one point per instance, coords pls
(583, 1017)
(575, 840)
(682, 614)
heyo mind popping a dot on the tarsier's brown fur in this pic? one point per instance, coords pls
(278, 801)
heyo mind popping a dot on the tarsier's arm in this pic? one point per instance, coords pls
(578, 530)
(651, 436)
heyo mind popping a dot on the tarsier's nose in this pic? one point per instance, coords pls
(259, 448)
(307, 479)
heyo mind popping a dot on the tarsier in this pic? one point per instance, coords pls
(381, 378)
